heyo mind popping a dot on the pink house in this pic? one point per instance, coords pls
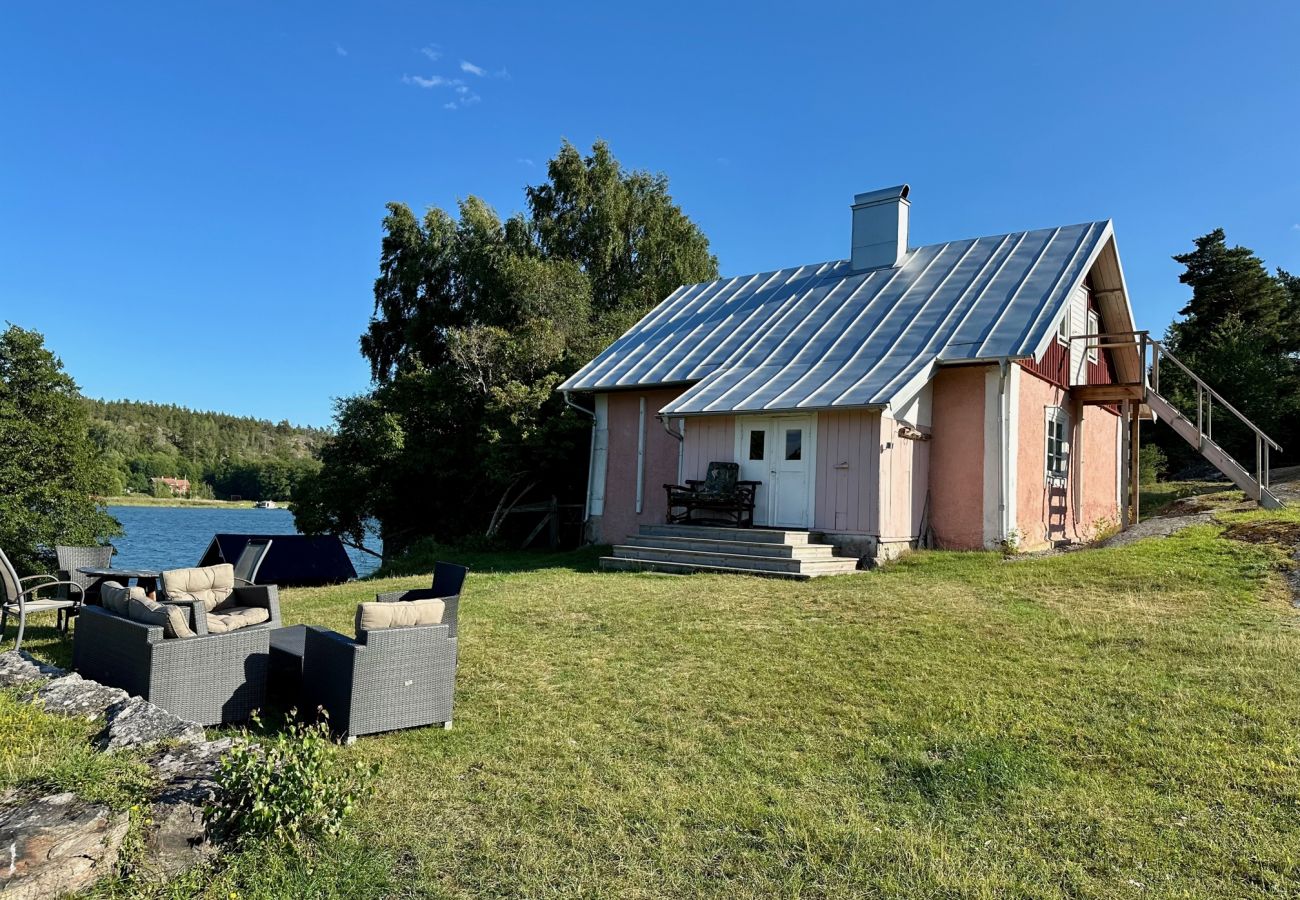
(948, 395)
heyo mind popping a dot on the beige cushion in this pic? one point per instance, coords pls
(211, 584)
(235, 617)
(406, 614)
(114, 597)
(175, 623)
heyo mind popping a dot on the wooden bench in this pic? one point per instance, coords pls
(721, 493)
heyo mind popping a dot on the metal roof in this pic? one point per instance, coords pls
(824, 336)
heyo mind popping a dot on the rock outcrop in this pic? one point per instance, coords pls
(60, 844)
(56, 845)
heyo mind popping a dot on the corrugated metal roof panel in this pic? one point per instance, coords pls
(823, 336)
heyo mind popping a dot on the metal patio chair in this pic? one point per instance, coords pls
(18, 598)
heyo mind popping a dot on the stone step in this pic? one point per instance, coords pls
(747, 562)
(722, 533)
(735, 560)
(619, 564)
(751, 548)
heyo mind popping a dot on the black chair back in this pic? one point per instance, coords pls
(251, 559)
(722, 477)
(448, 579)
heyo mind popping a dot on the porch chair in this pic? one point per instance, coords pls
(721, 491)
(19, 600)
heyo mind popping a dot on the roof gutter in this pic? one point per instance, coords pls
(568, 401)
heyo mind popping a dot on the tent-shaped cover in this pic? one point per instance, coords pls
(294, 559)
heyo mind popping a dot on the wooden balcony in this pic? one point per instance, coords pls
(1098, 394)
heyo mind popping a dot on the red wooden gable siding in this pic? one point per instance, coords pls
(1054, 366)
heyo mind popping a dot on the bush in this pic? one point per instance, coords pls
(288, 786)
(1152, 464)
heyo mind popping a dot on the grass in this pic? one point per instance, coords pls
(1103, 723)
(52, 754)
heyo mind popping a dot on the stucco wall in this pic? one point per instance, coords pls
(956, 458)
(620, 517)
(1048, 512)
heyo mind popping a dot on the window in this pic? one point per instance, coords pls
(1063, 328)
(1058, 443)
(1094, 327)
(756, 441)
(794, 443)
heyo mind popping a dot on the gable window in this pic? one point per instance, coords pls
(1094, 327)
(1063, 328)
(1058, 443)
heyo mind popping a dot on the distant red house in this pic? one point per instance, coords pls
(180, 487)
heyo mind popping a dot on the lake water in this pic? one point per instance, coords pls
(169, 537)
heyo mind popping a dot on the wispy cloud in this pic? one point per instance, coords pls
(525, 161)
(432, 81)
(467, 66)
(433, 51)
(338, 48)
(1296, 227)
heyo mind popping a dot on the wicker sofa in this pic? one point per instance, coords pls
(209, 678)
(384, 679)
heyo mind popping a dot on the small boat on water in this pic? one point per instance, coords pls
(265, 504)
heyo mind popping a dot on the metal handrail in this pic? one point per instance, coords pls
(1160, 350)
(1205, 395)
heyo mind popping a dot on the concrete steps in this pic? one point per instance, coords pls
(682, 549)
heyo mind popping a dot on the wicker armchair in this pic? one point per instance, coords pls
(210, 679)
(385, 679)
(73, 558)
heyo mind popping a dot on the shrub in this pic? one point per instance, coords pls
(288, 786)
(1152, 464)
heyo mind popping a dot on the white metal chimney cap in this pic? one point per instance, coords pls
(897, 192)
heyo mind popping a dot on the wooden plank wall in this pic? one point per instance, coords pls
(848, 466)
(708, 439)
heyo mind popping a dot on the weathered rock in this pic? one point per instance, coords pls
(177, 837)
(20, 667)
(74, 696)
(57, 845)
(135, 722)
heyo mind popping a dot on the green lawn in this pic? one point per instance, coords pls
(1103, 723)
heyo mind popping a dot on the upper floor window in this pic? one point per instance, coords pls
(1058, 443)
(1063, 328)
(1094, 327)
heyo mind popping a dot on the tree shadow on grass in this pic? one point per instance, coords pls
(422, 557)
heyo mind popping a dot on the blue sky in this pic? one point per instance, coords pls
(190, 194)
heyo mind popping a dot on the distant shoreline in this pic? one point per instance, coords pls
(180, 502)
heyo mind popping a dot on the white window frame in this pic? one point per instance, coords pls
(1094, 327)
(1056, 444)
(1063, 328)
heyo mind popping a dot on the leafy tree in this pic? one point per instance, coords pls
(1240, 332)
(476, 322)
(47, 465)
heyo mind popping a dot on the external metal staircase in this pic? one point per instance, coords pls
(1198, 433)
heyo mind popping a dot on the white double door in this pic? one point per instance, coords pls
(779, 451)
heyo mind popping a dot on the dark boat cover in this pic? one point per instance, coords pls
(293, 560)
